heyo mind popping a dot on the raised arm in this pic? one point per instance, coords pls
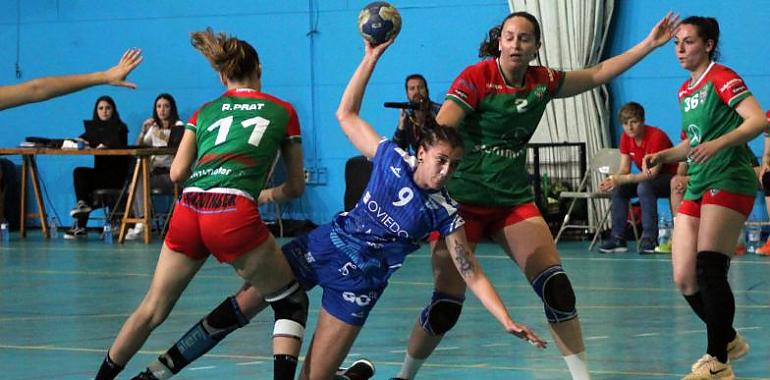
(579, 81)
(471, 272)
(40, 89)
(360, 133)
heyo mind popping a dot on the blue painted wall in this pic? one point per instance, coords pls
(654, 82)
(308, 69)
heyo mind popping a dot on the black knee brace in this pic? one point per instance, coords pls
(441, 314)
(290, 307)
(224, 319)
(555, 290)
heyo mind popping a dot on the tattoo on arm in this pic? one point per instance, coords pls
(464, 260)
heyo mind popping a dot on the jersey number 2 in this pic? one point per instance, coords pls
(260, 125)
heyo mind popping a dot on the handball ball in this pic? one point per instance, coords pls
(378, 22)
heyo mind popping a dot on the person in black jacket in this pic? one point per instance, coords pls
(109, 172)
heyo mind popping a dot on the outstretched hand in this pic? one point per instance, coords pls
(525, 333)
(117, 74)
(664, 30)
(377, 50)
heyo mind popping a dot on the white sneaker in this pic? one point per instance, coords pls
(736, 349)
(711, 368)
(81, 208)
(135, 233)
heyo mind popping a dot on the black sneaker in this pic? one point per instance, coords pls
(361, 369)
(646, 246)
(614, 245)
(146, 375)
(76, 233)
(80, 209)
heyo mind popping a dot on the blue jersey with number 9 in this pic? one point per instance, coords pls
(393, 215)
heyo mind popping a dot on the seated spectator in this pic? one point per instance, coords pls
(637, 140)
(161, 130)
(109, 172)
(411, 120)
(407, 133)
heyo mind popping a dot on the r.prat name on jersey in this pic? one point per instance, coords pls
(208, 172)
(242, 106)
(382, 216)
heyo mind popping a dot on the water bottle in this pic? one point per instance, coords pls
(107, 233)
(754, 237)
(5, 233)
(54, 226)
(664, 231)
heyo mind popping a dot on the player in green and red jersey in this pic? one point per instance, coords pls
(497, 104)
(224, 159)
(719, 115)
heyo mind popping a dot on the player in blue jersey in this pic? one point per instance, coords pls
(353, 257)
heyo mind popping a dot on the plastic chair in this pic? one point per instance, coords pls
(605, 162)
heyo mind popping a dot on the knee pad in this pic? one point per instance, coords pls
(441, 314)
(290, 306)
(710, 267)
(223, 320)
(555, 290)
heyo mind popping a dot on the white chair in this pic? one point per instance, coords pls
(605, 162)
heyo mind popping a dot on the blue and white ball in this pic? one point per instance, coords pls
(378, 22)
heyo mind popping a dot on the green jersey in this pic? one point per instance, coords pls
(500, 120)
(708, 112)
(238, 137)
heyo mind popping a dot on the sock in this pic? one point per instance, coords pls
(718, 301)
(577, 365)
(696, 304)
(410, 367)
(284, 367)
(109, 369)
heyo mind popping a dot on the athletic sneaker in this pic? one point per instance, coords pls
(81, 208)
(736, 349)
(646, 246)
(135, 233)
(613, 245)
(146, 375)
(711, 369)
(664, 248)
(764, 250)
(76, 233)
(361, 369)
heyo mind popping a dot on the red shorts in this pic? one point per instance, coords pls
(481, 222)
(738, 202)
(225, 225)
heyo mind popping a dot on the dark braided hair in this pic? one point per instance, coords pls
(432, 133)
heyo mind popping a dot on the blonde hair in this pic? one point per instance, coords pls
(234, 58)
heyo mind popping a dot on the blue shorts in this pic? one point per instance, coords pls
(348, 293)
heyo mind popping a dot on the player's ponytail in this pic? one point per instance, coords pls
(235, 59)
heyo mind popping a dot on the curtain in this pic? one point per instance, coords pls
(573, 37)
